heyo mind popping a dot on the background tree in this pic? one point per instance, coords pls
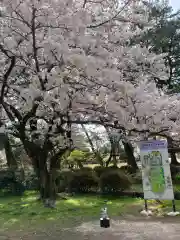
(163, 38)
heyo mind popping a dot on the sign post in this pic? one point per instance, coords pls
(156, 175)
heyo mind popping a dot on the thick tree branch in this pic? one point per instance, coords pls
(8, 112)
(84, 4)
(54, 161)
(89, 139)
(35, 49)
(16, 113)
(5, 78)
(32, 112)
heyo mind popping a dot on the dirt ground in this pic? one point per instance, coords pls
(121, 229)
(136, 229)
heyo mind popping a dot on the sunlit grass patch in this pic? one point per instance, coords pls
(26, 212)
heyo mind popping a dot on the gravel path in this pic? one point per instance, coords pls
(126, 229)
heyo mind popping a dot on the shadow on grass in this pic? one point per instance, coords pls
(26, 211)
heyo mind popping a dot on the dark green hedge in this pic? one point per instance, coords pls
(114, 180)
(10, 182)
(97, 179)
(83, 180)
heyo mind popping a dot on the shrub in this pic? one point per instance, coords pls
(86, 169)
(127, 169)
(176, 179)
(114, 181)
(113, 167)
(137, 177)
(98, 170)
(175, 170)
(83, 182)
(77, 157)
(83, 169)
(10, 183)
(31, 181)
(63, 181)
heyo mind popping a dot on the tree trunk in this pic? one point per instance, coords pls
(109, 159)
(11, 163)
(47, 177)
(39, 158)
(114, 156)
(39, 163)
(114, 149)
(131, 161)
(47, 188)
(172, 154)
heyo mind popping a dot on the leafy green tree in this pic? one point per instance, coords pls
(164, 39)
(77, 157)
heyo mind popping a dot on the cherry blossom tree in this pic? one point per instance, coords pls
(71, 62)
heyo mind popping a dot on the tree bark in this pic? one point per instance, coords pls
(114, 149)
(47, 188)
(114, 159)
(11, 163)
(109, 159)
(46, 176)
(131, 161)
(38, 157)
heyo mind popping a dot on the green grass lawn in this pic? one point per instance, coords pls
(26, 212)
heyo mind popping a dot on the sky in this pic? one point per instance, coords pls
(175, 4)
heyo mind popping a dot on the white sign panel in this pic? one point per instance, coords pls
(156, 175)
